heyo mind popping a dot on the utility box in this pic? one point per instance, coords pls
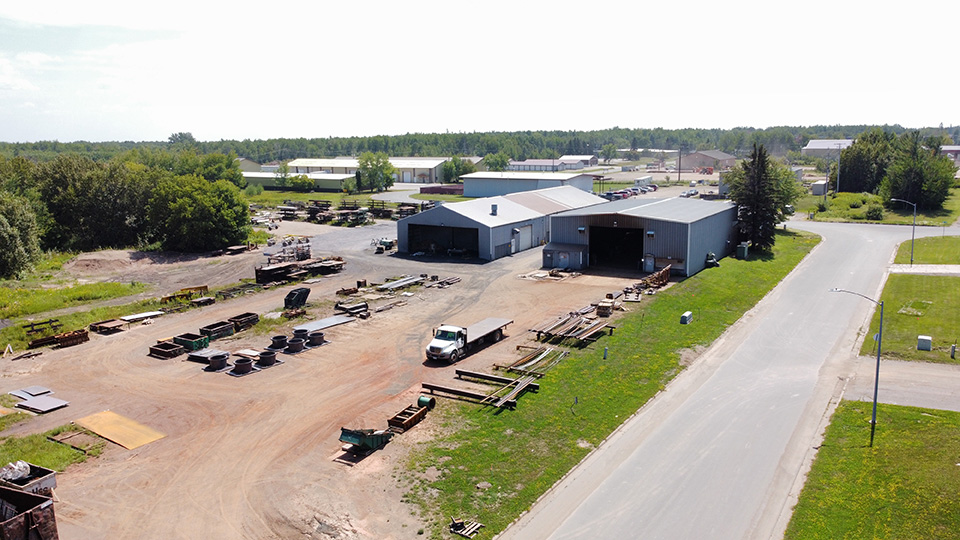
(686, 318)
(648, 263)
(742, 250)
(924, 343)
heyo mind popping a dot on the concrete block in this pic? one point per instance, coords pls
(924, 343)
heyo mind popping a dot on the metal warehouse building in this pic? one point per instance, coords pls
(491, 184)
(642, 235)
(491, 227)
(321, 181)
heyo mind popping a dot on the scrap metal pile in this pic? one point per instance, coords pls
(581, 325)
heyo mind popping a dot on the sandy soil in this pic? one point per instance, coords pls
(258, 456)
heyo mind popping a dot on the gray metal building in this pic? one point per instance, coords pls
(491, 183)
(642, 235)
(491, 227)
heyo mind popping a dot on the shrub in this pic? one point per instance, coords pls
(253, 189)
(856, 204)
(823, 206)
(874, 212)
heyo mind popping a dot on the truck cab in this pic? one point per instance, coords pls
(447, 344)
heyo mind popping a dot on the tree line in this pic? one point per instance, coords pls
(150, 198)
(519, 145)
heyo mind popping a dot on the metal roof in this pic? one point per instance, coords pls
(522, 175)
(480, 210)
(715, 154)
(555, 199)
(579, 158)
(312, 176)
(675, 209)
(398, 162)
(827, 144)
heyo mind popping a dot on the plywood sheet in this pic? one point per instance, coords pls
(120, 429)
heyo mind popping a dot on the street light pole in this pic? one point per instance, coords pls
(913, 233)
(876, 376)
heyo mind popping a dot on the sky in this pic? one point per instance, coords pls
(119, 71)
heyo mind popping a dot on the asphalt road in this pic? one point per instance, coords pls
(719, 453)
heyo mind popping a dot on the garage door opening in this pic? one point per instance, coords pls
(435, 240)
(614, 247)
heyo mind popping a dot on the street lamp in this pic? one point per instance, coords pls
(913, 234)
(876, 377)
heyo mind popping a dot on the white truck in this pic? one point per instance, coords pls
(451, 343)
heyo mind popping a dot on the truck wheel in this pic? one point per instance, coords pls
(454, 357)
(497, 336)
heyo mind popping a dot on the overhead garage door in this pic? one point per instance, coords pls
(526, 237)
(406, 176)
(435, 239)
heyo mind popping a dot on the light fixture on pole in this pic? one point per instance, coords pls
(913, 233)
(876, 377)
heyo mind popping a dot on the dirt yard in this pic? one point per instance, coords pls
(258, 456)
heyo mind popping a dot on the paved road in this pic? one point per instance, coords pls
(718, 454)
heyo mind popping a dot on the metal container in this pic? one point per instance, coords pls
(279, 342)
(267, 358)
(300, 333)
(218, 361)
(242, 366)
(315, 339)
(295, 345)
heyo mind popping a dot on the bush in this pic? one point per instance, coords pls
(823, 206)
(856, 204)
(874, 212)
(252, 190)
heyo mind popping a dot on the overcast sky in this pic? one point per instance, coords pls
(102, 71)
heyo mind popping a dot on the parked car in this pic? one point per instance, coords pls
(652, 187)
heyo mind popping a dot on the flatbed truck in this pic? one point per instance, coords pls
(451, 343)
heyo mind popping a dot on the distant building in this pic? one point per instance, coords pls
(587, 161)
(409, 169)
(709, 158)
(825, 148)
(321, 181)
(491, 183)
(548, 165)
(952, 152)
(247, 165)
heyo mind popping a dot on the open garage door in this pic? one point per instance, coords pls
(616, 247)
(438, 240)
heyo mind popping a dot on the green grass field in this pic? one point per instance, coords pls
(930, 250)
(853, 207)
(39, 450)
(905, 487)
(19, 301)
(522, 453)
(917, 305)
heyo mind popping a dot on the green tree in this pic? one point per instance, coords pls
(183, 138)
(456, 167)
(376, 170)
(301, 182)
(19, 235)
(762, 189)
(608, 152)
(917, 174)
(496, 162)
(188, 213)
(864, 164)
(282, 175)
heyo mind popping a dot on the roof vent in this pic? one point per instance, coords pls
(493, 209)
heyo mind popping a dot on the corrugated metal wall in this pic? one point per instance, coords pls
(716, 234)
(435, 216)
(483, 187)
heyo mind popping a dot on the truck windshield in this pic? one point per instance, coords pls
(446, 335)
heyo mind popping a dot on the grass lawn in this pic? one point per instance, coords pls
(905, 487)
(39, 450)
(522, 453)
(853, 207)
(917, 305)
(20, 301)
(271, 198)
(439, 197)
(931, 250)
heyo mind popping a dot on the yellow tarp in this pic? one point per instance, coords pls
(120, 429)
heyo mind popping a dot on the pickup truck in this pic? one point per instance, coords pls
(451, 343)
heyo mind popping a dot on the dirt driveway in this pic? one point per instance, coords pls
(258, 456)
